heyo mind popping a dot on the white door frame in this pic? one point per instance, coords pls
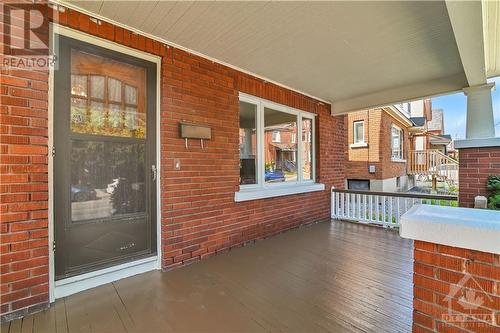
(81, 282)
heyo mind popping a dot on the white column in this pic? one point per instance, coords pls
(480, 123)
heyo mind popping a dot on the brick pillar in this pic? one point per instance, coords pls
(475, 165)
(455, 289)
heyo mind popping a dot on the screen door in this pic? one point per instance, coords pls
(104, 158)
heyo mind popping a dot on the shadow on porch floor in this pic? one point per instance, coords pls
(337, 277)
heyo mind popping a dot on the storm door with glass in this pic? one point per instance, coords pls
(104, 164)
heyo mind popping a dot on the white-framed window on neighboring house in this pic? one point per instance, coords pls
(277, 150)
(359, 132)
(396, 143)
(276, 136)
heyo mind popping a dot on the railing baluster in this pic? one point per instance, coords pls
(390, 209)
(370, 209)
(383, 209)
(398, 215)
(358, 203)
(338, 204)
(377, 208)
(342, 203)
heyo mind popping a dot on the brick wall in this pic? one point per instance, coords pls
(390, 168)
(443, 276)
(23, 187)
(199, 215)
(475, 165)
(378, 153)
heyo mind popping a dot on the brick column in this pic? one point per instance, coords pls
(455, 289)
(456, 272)
(475, 165)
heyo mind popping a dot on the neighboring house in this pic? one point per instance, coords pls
(428, 129)
(378, 144)
(429, 148)
(388, 146)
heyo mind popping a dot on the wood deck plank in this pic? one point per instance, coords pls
(45, 321)
(27, 325)
(4, 328)
(15, 326)
(329, 277)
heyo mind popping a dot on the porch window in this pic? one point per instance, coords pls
(359, 132)
(396, 143)
(271, 154)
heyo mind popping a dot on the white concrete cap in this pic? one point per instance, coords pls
(475, 229)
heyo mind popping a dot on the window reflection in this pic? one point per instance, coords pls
(116, 104)
(307, 149)
(107, 179)
(280, 148)
(248, 143)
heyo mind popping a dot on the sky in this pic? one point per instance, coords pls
(455, 107)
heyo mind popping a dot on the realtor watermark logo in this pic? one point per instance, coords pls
(26, 36)
(466, 301)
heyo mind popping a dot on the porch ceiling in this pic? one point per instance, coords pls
(352, 54)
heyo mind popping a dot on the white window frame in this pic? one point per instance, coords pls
(355, 136)
(401, 145)
(267, 190)
(276, 137)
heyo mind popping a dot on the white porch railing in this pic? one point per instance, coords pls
(382, 208)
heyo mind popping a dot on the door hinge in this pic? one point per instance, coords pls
(53, 151)
(53, 246)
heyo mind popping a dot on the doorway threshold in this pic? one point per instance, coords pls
(75, 284)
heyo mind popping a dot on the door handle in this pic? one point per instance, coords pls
(153, 172)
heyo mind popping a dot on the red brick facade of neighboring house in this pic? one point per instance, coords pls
(199, 215)
(377, 131)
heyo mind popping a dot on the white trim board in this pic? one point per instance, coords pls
(89, 280)
(93, 279)
(468, 228)
(269, 192)
(477, 143)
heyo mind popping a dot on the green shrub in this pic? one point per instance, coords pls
(493, 187)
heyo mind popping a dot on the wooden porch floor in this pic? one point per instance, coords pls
(336, 277)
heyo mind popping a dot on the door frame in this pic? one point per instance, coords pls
(74, 284)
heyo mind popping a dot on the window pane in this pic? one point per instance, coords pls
(248, 143)
(358, 132)
(280, 157)
(307, 159)
(107, 179)
(78, 112)
(79, 85)
(96, 116)
(130, 94)
(114, 90)
(115, 116)
(396, 143)
(97, 86)
(107, 115)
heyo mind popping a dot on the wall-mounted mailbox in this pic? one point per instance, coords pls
(194, 131)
